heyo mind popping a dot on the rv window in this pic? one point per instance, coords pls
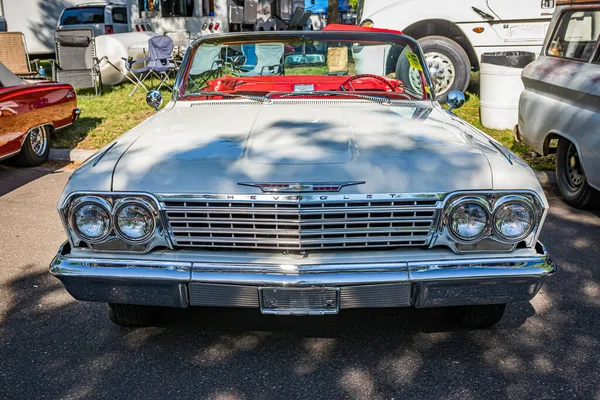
(575, 35)
(177, 8)
(119, 15)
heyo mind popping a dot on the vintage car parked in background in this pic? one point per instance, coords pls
(283, 176)
(559, 108)
(29, 114)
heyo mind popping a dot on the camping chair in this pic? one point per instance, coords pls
(76, 62)
(207, 65)
(181, 41)
(159, 63)
(13, 54)
(268, 60)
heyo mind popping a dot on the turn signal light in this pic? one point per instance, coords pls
(210, 26)
(108, 29)
(143, 28)
(216, 26)
(478, 29)
(137, 28)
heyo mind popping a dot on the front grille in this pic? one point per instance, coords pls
(302, 224)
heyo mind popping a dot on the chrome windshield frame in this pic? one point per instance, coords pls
(341, 36)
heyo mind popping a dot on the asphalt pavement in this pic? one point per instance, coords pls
(52, 346)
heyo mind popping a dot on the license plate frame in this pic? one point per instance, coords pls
(299, 301)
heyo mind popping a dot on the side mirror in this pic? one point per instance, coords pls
(455, 99)
(154, 99)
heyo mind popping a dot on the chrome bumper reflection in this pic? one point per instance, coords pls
(463, 281)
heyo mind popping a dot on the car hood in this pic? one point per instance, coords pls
(210, 147)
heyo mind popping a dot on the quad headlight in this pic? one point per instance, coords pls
(469, 220)
(513, 221)
(506, 219)
(134, 220)
(100, 219)
(91, 219)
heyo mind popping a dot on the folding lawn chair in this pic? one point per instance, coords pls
(159, 63)
(76, 62)
(207, 65)
(268, 60)
(14, 56)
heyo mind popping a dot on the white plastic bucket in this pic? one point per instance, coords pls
(117, 46)
(501, 87)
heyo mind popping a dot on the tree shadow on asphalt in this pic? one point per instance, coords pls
(57, 347)
(13, 177)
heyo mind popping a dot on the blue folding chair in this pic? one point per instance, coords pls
(159, 63)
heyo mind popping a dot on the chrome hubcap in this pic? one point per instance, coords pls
(39, 140)
(575, 174)
(442, 71)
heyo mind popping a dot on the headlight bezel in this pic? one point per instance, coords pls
(114, 241)
(83, 201)
(493, 200)
(128, 201)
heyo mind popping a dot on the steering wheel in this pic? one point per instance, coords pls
(360, 76)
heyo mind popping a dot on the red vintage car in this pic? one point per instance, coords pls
(29, 114)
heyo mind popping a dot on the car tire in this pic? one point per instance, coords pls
(571, 179)
(132, 315)
(35, 148)
(481, 316)
(451, 62)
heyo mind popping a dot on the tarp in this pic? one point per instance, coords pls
(320, 6)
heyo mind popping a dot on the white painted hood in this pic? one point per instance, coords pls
(209, 147)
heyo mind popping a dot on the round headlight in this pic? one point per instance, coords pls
(134, 222)
(91, 221)
(468, 221)
(513, 221)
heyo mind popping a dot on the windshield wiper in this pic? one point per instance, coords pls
(259, 99)
(374, 98)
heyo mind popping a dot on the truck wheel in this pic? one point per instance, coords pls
(482, 316)
(132, 315)
(448, 65)
(571, 179)
(36, 147)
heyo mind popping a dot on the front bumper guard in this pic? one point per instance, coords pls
(464, 281)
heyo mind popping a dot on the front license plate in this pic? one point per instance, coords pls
(299, 301)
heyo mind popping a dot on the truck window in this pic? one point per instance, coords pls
(575, 35)
(119, 15)
(82, 15)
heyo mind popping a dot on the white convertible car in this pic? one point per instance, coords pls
(283, 175)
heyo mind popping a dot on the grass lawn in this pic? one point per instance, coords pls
(105, 117)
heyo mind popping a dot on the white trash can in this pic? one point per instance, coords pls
(501, 86)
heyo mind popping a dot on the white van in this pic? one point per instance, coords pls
(454, 34)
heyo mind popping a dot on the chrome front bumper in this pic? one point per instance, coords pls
(461, 280)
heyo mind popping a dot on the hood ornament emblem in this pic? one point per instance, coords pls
(285, 187)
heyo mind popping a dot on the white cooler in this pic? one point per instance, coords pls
(501, 87)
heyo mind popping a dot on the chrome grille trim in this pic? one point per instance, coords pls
(299, 223)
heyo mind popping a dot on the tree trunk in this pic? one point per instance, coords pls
(333, 12)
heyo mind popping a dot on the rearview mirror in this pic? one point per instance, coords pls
(455, 99)
(154, 99)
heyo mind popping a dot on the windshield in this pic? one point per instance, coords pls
(309, 64)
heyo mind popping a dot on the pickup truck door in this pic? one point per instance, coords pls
(521, 20)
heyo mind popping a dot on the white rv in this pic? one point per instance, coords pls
(455, 33)
(202, 17)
